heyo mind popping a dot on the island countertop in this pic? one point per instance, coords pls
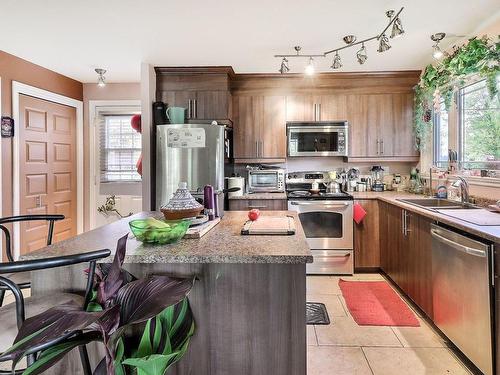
(223, 244)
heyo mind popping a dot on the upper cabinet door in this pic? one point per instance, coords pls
(178, 98)
(299, 108)
(273, 129)
(212, 105)
(363, 131)
(381, 109)
(333, 107)
(248, 119)
(404, 138)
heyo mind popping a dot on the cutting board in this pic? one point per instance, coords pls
(199, 231)
(270, 225)
(480, 216)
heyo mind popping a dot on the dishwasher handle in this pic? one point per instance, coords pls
(458, 246)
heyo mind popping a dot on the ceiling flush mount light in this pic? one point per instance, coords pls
(361, 55)
(384, 44)
(101, 80)
(309, 70)
(284, 66)
(437, 53)
(350, 41)
(337, 62)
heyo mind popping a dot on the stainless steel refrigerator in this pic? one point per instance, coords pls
(193, 153)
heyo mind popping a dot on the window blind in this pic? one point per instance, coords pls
(120, 149)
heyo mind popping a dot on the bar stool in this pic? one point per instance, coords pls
(23, 279)
(12, 317)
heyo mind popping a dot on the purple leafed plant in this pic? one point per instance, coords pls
(158, 305)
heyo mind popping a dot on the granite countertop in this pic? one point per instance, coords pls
(223, 244)
(251, 196)
(490, 232)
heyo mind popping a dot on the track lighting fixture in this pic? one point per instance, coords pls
(337, 63)
(101, 80)
(284, 66)
(361, 55)
(438, 37)
(309, 70)
(384, 44)
(350, 41)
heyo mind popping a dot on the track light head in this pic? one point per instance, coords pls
(309, 70)
(384, 44)
(361, 55)
(284, 68)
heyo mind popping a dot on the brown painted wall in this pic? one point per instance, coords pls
(13, 68)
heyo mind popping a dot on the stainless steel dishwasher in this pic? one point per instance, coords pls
(462, 286)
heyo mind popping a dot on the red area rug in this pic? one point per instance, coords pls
(375, 303)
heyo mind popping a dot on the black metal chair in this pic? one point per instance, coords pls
(23, 279)
(27, 307)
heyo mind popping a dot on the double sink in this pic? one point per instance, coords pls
(439, 204)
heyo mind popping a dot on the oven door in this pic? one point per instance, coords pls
(317, 141)
(327, 224)
(263, 181)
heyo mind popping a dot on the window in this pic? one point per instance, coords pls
(441, 136)
(479, 127)
(120, 149)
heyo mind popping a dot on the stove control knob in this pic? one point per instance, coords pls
(294, 176)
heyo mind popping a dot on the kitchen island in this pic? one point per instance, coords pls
(248, 302)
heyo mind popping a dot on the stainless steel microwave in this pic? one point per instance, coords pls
(317, 138)
(266, 181)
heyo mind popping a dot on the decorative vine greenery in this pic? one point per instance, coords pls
(480, 56)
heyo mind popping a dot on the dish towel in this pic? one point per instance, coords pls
(359, 213)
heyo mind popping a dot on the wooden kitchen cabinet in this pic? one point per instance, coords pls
(367, 237)
(261, 204)
(316, 108)
(200, 105)
(259, 128)
(380, 126)
(205, 93)
(406, 253)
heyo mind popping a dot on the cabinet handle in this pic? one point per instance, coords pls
(261, 147)
(257, 149)
(378, 146)
(402, 221)
(319, 111)
(190, 108)
(382, 146)
(195, 108)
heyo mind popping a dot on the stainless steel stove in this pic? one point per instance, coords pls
(326, 217)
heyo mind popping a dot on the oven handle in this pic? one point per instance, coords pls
(322, 204)
(340, 255)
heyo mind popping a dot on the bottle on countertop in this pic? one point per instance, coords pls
(208, 200)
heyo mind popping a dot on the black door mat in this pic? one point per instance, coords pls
(316, 313)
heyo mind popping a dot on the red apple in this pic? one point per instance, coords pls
(253, 214)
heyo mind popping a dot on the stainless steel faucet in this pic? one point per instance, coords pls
(464, 188)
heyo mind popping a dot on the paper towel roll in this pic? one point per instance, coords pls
(236, 182)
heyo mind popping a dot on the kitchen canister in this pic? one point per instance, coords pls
(233, 182)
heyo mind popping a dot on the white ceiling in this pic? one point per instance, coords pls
(74, 37)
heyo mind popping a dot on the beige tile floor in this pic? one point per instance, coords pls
(345, 348)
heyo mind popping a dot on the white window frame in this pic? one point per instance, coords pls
(94, 107)
(104, 150)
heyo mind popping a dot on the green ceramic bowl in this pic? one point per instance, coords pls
(159, 231)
